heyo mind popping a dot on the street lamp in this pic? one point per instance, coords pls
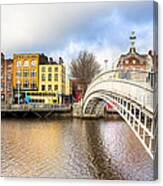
(18, 92)
(105, 61)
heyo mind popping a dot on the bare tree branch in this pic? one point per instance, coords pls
(84, 68)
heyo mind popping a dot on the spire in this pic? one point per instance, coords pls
(132, 42)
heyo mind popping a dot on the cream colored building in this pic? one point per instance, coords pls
(52, 82)
(68, 87)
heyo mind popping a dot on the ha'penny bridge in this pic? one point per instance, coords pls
(133, 94)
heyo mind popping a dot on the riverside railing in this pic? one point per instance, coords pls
(33, 107)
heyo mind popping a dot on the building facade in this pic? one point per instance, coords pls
(77, 90)
(6, 80)
(52, 82)
(26, 74)
(68, 90)
(133, 60)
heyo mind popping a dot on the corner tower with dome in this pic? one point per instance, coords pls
(134, 60)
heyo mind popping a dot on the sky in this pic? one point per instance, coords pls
(65, 29)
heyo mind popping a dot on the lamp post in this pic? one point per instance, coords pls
(106, 62)
(19, 86)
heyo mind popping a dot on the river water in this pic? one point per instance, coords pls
(73, 148)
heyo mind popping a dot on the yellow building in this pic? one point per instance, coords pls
(26, 72)
(52, 82)
(68, 87)
(68, 90)
(37, 80)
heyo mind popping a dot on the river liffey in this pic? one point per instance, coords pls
(73, 148)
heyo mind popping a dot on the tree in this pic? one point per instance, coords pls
(84, 68)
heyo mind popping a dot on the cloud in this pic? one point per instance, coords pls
(41, 26)
(65, 29)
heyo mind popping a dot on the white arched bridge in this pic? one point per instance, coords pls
(133, 94)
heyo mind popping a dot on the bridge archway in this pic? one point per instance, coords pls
(133, 100)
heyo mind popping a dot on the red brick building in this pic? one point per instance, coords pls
(77, 90)
(6, 80)
(133, 60)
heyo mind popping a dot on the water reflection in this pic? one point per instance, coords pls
(67, 148)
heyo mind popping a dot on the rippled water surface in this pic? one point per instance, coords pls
(73, 148)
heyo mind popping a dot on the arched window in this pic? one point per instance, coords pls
(26, 63)
(18, 63)
(127, 62)
(134, 61)
(33, 63)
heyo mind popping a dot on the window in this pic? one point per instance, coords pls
(33, 73)
(49, 87)
(26, 84)
(26, 63)
(18, 73)
(56, 77)
(2, 97)
(2, 85)
(56, 69)
(127, 62)
(33, 84)
(63, 88)
(121, 62)
(63, 71)
(49, 77)
(18, 63)
(43, 69)
(43, 77)
(142, 62)
(49, 69)
(134, 61)
(33, 63)
(9, 76)
(25, 73)
(18, 84)
(55, 87)
(43, 87)
(63, 78)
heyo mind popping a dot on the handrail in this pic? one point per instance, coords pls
(119, 70)
(149, 77)
(33, 107)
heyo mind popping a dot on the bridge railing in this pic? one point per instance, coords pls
(145, 78)
(136, 84)
(141, 95)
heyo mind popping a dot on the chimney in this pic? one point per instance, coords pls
(61, 60)
(50, 59)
